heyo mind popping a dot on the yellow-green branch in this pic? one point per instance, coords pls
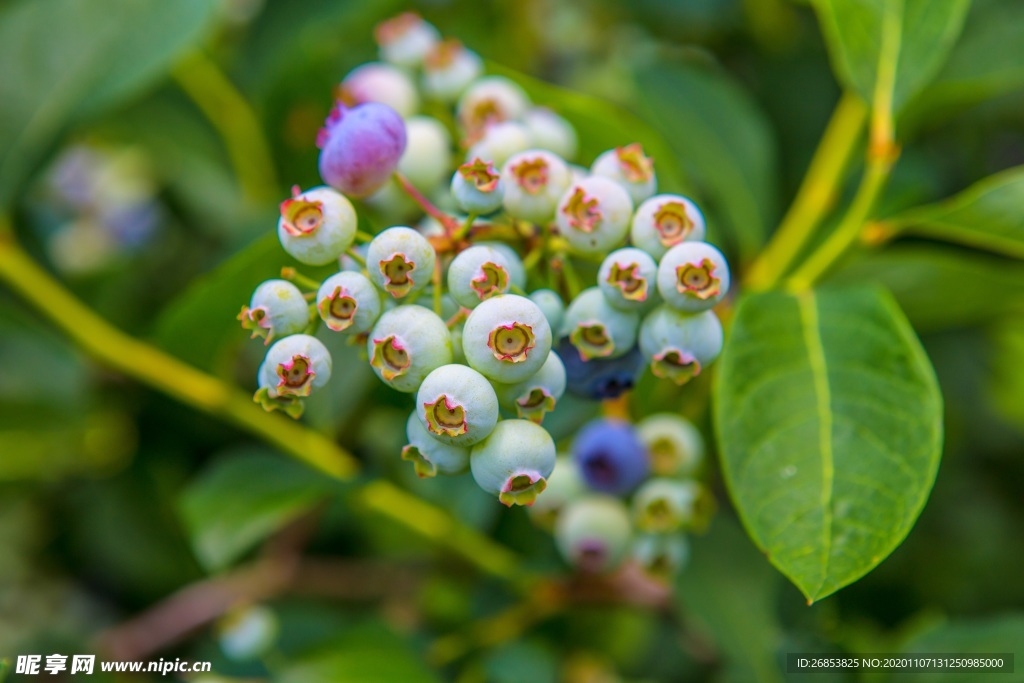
(159, 370)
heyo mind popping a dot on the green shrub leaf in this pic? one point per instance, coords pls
(66, 58)
(987, 215)
(830, 423)
(244, 497)
(900, 43)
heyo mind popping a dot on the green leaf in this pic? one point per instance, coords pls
(889, 48)
(940, 286)
(600, 124)
(1000, 634)
(74, 57)
(724, 140)
(830, 424)
(242, 498)
(369, 653)
(987, 215)
(743, 624)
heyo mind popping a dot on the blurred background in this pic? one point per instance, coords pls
(145, 146)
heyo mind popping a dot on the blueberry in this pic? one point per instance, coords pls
(679, 345)
(348, 302)
(676, 447)
(593, 215)
(277, 309)
(611, 456)
(360, 147)
(600, 378)
(593, 533)
(693, 276)
(405, 40)
(406, 344)
(597, 329)
(457, 405)
(665, 220)
(477, 274)
(534, 182)
(429, 456)
(317, 226)
(383, 83)
(477, 187)
(400, 261)
(507, 338)
(535, 397)
(514, 462)
(448, 70)
(629, 167)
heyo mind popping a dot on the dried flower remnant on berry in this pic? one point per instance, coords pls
(512, 342)
(390, 357)
(635, 165)
(582, 211)
(698, 279)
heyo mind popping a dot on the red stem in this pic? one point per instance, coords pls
(448, 222)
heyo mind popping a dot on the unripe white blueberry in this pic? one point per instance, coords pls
(593, 215)
(400, 261)
(477, 187)
(348, 302)
(428, 152)
(550, 131)
(665, 220)
(628, 279)
(506, 338)
(679, 345)
(514, 462)
(317, 226)
(457, 405)
(537, 396)
(597, 329)
(534, 182)
(629, 167)
(563, 486)
(661, 555)
(490, 100)
(448, 70)
(500, 141)
(663, 505)
(379, 82)
(693, 276)
(406, 345)
(295, 365)
(551, 305)
(516, 269)
(675, 446)
(476, 274)
(429, 456)
(277, 309)
(406, 40)
(593, 533)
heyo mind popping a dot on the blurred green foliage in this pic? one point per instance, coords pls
(114, 497)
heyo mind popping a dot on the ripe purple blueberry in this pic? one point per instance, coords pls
(611, 457)
(600, 378)
(360, 147)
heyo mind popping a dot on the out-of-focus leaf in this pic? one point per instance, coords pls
(722, 140)
(830, 423)
(601, 125)
(987, 215)
(743, 623)
(242, 498)
(1007, 370)
(369, 653)
(900, 44)
(1002, 634)
(939, 286)
(66, 58)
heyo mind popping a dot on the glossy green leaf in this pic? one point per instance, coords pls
(743, 623)
(66, 58)
(979, 637)
(723, 139)
(900, 44)
(987, 215)
(242, 498)
(830, 424)
(940, 286)
(369, 653)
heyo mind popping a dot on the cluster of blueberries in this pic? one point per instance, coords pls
(444, 310)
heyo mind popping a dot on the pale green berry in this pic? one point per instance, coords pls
(537, 396)
(400, 261)
(348, 302)
(477, 274)
(277, 309)
(551, 305)
(406, 345)
(628, 279)
(662, 556)
(679, 345)
(406, 40)
(665, 220)
(550, 131)
(448, 70)
(296, 365)
(506, 338)
(317, 226)
(693, 276)
(597, 329)
(514, 462)
(675, 446)
(457, 405)
(428, 152)
(534, 182)
(383, 83)
(516, 269)
(594, 214)
(662, 505)
(491, 100)
(593, 532)
(429, 456)
(629, 167)
(477, 187)
(499, 142)
(563, 486)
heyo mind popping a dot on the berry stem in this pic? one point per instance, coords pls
(161, 371)
(572, 278)
(293, 275)
(461, 233)
(356, 256)
(437, 287)
(449, 224)
(816, 195)
(363, 237)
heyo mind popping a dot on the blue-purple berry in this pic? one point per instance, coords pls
(600, 378)
(360, 147)
(611, 456)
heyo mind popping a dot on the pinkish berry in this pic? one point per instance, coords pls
(360, 147)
